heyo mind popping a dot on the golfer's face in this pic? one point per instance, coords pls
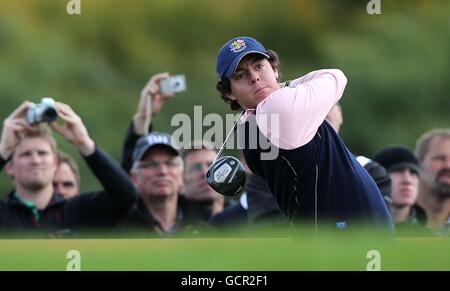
(252, 82)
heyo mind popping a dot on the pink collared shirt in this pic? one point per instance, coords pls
(300, 108)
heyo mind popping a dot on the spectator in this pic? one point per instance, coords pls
(193, 212)
(233, 217)
(433, 152)
(379, 175)
(200, 200)
(67, 177)
(150, 103)
(33, 204)
(157, 173)
(404, 169)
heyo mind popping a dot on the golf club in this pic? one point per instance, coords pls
(226, 175)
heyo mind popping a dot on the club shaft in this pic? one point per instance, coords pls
(222, 148)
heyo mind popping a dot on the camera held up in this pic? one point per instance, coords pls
(173, 84)
(42, 112)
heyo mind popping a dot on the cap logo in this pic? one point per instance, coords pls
(152, 139)
(238, 45)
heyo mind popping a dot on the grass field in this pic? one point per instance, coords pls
(226, 254)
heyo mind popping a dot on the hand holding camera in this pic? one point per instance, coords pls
(42, 112)
(159, 88)
(73, 129)
(173, 84)
(13, 127)
(29, 114)
(26, 116)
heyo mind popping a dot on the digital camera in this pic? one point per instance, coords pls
(42, 112)
(173, 84)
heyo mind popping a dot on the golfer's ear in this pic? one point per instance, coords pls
(230, 96)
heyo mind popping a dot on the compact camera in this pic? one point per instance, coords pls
(173, 84)
(42, 112)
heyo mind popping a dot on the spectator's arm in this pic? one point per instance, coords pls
(150, 104)
(118, 195)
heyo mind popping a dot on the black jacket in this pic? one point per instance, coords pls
(414, 225)
(88, 211)
(192, 217)
(140, 223)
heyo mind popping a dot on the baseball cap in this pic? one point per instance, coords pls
(397, 157)
(232, 53)
(151, 140)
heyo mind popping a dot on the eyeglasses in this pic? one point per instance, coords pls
(151, 164)
(198, 166)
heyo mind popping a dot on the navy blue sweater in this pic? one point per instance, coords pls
(320, 182)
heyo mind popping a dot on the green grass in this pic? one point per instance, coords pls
(228, 254)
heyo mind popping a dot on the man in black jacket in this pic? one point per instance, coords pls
(194, 209)
(157, 173)
(29, 153)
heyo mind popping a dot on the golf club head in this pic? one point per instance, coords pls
(226, 176)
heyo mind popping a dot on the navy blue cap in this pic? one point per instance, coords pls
(150, 140)
(232, 53)
(397, 157)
